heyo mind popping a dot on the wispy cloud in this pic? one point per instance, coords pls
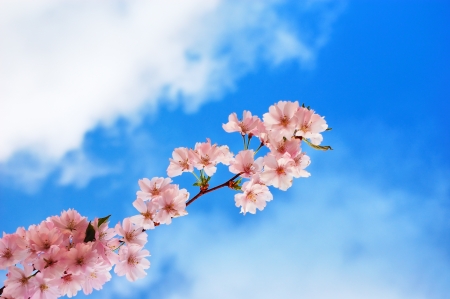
(340, 237)
(67, 67)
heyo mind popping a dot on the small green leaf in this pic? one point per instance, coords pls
(90, 233)
(103, 220)
(196, 184)
(235, 185)
(329, 129)
(317, 147)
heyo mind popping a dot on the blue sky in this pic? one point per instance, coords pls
(89, 107)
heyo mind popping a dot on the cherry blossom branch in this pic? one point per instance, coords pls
(203, 192)
(50, 269)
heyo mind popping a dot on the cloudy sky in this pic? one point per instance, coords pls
(96, 95)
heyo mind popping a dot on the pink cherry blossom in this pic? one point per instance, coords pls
(132, 262)
(281, 119)
(108, 253)
(45, 287)
(207, 156)
(152, 188)
(301, 161)
(104, 235)
(43, 236)
(21, 239)
(96, 278)
(10, 252)
(254, 197)
(278, 172)
(310, 125)
(132, 234)
(147, 212)
(226, 156)
(171, 204)
(70, 221)
(181, 162)
(81, 258)
(243, 126)
(70, 284)
(51, 262)
(18, 282)
(244, 163)
(280, 147)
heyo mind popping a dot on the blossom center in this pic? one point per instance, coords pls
(147, 215)
(169, 208)
(251, 196)
(205, 160)
(43, 287)
(155, 191)
(243, 127)
(280, 170)
(71, 225)
(129, 235)
(49, 263)
(7, 254)
(79, 261)
(184, 164)
(132, 261)
(24, 280)
(284, 121)
(304, 127)
(46, 244)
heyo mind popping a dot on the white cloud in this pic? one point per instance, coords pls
(67, 67)
(78, 169)
(347, 240)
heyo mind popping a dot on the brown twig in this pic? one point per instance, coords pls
(203, 192)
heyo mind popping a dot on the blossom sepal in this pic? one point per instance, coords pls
(235, 185)
(317, 147)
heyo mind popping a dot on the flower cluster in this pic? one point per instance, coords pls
(65, 254)
(158, 202)
(281, 131)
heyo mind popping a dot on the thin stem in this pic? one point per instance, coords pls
(34, 274)
(243, 139)
(260, 146)
(121, 243)
(195, 175)
(212, 189)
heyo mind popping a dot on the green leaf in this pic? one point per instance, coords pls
(317, 147)
(103, 220)
(329, 129)
(90, 233)
(235, 185)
